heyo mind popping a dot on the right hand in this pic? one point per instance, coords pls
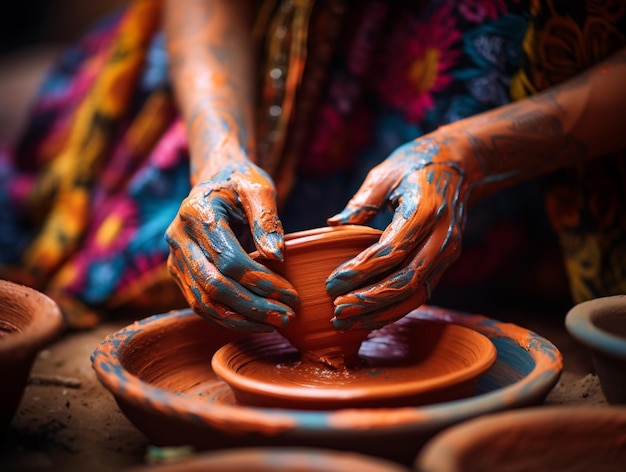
(217, 277)
(427, 188)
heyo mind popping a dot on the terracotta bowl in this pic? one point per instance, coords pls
(558, 439)
(309, 258)
(159, 371)
(277, 460)
(600, 324)
(29, 321)
(410, 363)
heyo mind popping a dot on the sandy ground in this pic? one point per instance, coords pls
(68, 421)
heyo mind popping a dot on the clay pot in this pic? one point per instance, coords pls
(309, 258)
(277, 460)
(29, 321)
(409, 363)
(159, 370)
(600, 324)
(558, 439)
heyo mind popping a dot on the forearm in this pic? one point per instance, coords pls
(211, 63)
(581, 119)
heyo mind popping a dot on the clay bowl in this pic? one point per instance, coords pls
(159, 371)
(600, 324)
(410, 363)
(557, 439)
(29, 321)
(309, 258)
(277, 460)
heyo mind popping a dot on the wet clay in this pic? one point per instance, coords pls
(309, 258)
(319, 367)
(405, 364)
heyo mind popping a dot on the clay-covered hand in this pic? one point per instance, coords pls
(218, 278)
(427, 191)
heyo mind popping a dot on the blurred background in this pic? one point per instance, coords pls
(32, 32)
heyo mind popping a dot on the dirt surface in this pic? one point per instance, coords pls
(68, 421)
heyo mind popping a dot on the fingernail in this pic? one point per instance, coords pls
(338, 283)
(343, 325)
(341, 217)
(347, 310)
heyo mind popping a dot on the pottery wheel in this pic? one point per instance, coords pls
(404, 364)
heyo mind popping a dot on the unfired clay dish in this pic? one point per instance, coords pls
(600, 324)
(159, 370)
(555, 439)
(309, 258)
(29, 321)
(409, 363)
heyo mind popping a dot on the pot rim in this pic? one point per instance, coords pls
(447, 449)
(47, 322)
(533, 386)
(378, 392)
(579, 321)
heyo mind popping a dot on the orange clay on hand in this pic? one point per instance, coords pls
(211, 61)
(218, 277)
(430, 182)
(426, 189)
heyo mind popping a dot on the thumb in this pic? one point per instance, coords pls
(353, 215)
(265, 226)
(365, 203)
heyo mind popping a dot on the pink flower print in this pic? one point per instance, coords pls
(482, 10)
(419, 56)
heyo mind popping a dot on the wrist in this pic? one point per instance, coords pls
(494, 151)
(225, 152)
(456, 150)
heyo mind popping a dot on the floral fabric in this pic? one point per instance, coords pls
(586, 204)
(98, 175)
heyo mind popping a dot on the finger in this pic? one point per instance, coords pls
(414, 280)
(203, 285)
(259, 205)
(219, 245)
(376, 298)
(376, 319)
(369, 199)
(216, 313)
(221, 316)
(411, 224)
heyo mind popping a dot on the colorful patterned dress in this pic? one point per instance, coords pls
(100, 171)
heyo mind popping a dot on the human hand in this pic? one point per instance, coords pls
(218, 278)
(427, 190)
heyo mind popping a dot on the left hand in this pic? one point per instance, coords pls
(213, 270)
(427, 190)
